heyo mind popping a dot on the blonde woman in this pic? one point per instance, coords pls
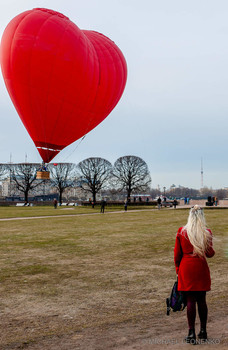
(193, 244)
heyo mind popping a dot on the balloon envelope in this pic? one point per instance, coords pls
(63, 81)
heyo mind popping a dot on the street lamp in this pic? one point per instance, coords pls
(164, 188)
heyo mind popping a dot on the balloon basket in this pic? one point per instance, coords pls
(43, 175)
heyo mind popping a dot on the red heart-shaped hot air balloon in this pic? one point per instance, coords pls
(63, 81)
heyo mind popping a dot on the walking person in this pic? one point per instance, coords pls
(175, 203)
(55, 203)
(103, 205)
(193, 244)
(125, 205)
(159, 202)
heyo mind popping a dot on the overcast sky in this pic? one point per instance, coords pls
(175, 105)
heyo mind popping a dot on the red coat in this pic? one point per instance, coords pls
(193, 271)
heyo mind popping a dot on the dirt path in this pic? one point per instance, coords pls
(90, 214)
(72, 215)
(146, 334)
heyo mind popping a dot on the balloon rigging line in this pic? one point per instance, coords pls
(75, 148)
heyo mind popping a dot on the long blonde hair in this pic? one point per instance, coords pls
(197, 232)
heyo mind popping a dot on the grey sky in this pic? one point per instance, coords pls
(174, 109)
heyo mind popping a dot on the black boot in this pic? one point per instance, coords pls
(191, 338)
(202, 334)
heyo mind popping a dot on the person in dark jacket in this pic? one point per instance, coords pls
(55, 202)
(103, 203)
(193, 245)
(159, 202)
(125, 205)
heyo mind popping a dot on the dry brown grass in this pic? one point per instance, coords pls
(60, 276)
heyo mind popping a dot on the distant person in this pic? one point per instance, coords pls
(216, 201)
(175, 203)
(43, 167)
(193, 244)
(209, 199)
(185, 200)
(103, 203)
(159, 202)
(55, 202)
(125, 205)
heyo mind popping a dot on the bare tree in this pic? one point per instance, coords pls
(221, 193)
(23, 175)
(94, 175)
(181, 191)
(131, 174)
(62, 177)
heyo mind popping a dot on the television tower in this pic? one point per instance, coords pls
(201, 172)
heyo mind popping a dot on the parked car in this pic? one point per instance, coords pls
(167, 203)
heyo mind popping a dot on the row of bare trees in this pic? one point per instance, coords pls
(182, 192)
(129, 174)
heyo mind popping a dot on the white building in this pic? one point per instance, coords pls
(9, 189)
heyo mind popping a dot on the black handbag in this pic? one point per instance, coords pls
(176, 301)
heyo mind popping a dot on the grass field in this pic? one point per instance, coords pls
(12, 211)
(60, 276)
